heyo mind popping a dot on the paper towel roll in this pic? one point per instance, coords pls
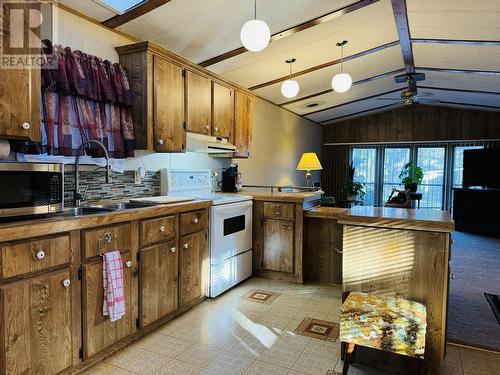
(4, 149)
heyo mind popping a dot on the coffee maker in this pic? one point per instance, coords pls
(229, 179)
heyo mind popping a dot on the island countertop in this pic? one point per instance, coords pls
(281, 197)
(398, 218)
(325, 212)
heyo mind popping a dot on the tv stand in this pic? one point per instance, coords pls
(477, 211)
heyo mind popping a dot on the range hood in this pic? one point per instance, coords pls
(208, 144)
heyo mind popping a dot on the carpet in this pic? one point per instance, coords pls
(494, 302)
(475, 261)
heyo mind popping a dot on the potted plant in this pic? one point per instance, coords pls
(354, 191)
(411, 176)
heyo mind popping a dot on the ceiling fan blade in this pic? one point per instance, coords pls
(389, 99)
(423, 100)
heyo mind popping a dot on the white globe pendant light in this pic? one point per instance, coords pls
(341, 82)
(255, 34)
(290, 87)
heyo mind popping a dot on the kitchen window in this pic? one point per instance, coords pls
(364, 161)
(432, 161)
(394, 161)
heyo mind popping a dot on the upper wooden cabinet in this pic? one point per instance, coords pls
(222, 111)
(168, 89)
(243, 124)
(158, 107)
(19, 97)
(198, 103)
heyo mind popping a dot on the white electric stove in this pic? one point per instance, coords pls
(230, 226)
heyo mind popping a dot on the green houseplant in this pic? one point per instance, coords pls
(411, 176)
(353, 190)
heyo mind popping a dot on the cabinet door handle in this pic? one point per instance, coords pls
(66, 282)
(278, 205)
(195, 220)
(128, 264)
(26, 126)
(216, 129)
(207, 127)
(162, 228)
(40, 254)
(186, 246)
(108, 237)
(173, 249)
(277, 213)
(161, 141)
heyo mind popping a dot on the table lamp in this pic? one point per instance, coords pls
(309, 162)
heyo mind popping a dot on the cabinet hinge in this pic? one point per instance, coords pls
(183, 72)
(184, 125)
(138, 256)
(80, 272)
(206, 235)
(137, 323)
(80, 353)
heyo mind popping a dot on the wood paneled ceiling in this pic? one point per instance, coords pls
(456, 43)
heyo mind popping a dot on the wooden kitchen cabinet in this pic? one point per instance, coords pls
(168, 89)
(194, 263)
(158, 107)
(19, 95)
(243, 124)
(198, 103)
(37, 332)
(98, 331)
(278, 245)
(222, 111)
(159, 281)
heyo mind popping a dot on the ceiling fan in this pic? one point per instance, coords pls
(410, 95)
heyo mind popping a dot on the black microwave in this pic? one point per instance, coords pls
(31, 188)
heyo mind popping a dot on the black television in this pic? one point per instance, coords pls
(481, 168)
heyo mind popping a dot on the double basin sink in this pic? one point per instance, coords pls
(102, 208)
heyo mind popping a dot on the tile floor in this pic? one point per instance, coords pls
(231, 335)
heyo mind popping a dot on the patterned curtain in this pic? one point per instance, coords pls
(84, 98)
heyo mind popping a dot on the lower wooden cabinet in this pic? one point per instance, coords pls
(37, 334)
(194, 263)
(159, 269)
(278, 245)
(98, 330)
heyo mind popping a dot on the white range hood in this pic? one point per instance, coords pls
(208, 144)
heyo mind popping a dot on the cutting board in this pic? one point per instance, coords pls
(162, 199)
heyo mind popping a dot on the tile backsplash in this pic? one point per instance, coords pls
(94, 188)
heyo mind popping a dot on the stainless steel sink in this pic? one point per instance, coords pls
(102, 208)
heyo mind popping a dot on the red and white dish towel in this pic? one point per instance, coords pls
(112, 281)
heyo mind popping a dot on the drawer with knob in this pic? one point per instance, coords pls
(156, 230)
(278, 210)
(22, 257)
(104, 239)
(194, 221)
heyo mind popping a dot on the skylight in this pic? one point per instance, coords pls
(122, 5)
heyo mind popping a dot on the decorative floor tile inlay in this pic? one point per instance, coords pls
(318, 329)
(262, 296)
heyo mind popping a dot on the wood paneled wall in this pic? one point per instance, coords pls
(416, 123)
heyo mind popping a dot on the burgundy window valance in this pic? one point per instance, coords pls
(84, 98)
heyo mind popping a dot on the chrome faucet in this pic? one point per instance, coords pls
(77, 196)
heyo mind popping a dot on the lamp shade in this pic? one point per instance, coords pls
(255, 35)
(309, 162)
(341, 82)
(290, 88)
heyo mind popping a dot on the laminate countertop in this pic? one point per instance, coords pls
(58, 223)
(281, 197)
(325, 212)
(399, 218)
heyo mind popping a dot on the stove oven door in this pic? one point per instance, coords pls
(231, 230)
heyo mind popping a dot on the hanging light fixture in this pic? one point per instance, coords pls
(255, 34)
(290, 87)
(341, 82)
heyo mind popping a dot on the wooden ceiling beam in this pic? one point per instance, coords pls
(135, 12)
(459, 90)
(355, 83)
(458, 71)
(401, 18)
(292, 30)
(361, 112)
(354, 101)
(455, 41)
(325, 65)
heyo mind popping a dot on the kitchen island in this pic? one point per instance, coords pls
(405, 253)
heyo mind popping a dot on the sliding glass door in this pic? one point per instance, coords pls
(432, 161)
(364, 161)
(394, 161)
